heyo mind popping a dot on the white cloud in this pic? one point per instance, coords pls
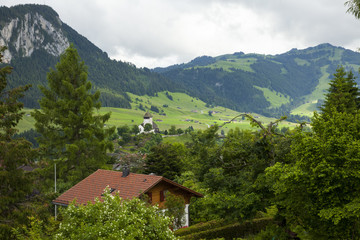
(161, 32)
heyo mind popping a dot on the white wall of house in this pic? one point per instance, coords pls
(186, 216)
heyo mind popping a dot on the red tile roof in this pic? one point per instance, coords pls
(130, 186)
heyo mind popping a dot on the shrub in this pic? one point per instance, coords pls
(199, 227)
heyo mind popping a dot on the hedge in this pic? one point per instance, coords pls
(199, 227)
(235, 230)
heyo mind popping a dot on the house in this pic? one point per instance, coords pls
(128, 185)
(148, 120)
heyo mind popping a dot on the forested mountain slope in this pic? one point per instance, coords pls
(272, 85)
(267, 84)
(35, 37)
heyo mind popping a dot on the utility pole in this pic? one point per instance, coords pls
(55, 191)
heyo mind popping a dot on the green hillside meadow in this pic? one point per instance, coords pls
(183, 111)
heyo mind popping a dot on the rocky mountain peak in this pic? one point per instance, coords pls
(29, 32)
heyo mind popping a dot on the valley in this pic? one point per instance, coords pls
(183, 111)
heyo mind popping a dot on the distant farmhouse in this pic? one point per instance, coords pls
(148, 120)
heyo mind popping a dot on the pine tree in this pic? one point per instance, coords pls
(15, 183)
(343, 95)
(71, 133)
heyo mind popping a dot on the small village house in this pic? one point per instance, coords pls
(128, 185)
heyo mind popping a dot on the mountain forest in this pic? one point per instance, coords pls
(264, 182)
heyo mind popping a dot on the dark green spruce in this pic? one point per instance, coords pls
(343, 94)
(72, 132)
(15, 183)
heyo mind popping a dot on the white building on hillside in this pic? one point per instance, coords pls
(148, 120)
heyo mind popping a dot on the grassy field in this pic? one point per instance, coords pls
(232, 62)
(276, 99)
(308, 108)
(183, 111)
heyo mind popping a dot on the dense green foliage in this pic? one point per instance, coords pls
(318, 193)
(114, 219)
(231, 171)
(199, 227)
(165, 160)
(30, 135)
(72, 134)
(15, 183)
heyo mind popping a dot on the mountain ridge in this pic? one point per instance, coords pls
(32, 60)
(272, 85)
(294, 74)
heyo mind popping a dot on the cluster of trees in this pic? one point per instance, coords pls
(308, 180)
(125, 133)
(72, 136)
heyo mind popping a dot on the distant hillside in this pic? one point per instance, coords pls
(35, 37)
(269, 84)
(183, 111)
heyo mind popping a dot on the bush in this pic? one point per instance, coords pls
(114, 218)
(272, 231)
(154, 109)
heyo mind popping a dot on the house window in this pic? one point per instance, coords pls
(163, 195)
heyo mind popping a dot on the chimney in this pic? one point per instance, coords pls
(125, 171)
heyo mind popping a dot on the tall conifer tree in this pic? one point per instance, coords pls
(343, 94)
(15, 183)
(71, 133)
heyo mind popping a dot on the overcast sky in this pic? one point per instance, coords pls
(152, 33)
